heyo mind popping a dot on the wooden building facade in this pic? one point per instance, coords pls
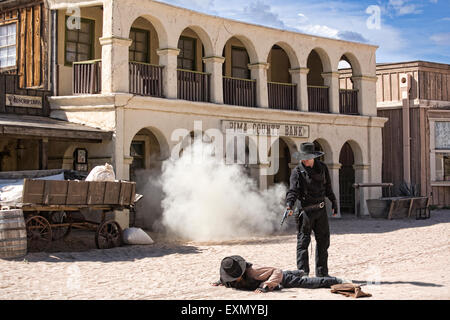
(29, 138)
(415, 97)
(26, 27)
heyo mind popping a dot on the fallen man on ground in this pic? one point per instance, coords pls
(237, 273)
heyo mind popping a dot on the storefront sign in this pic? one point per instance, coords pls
(15, 100)
(267, 129)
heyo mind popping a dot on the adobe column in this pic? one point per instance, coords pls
(334, 168)
(331, 80)
(259, 73)
(367, 96)
(213, 65)
(168, 59)
(300, 78)
(115, 69)
(361, 176)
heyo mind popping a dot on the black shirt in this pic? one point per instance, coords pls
(313, 192)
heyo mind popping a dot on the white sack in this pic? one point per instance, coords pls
(102, 173)
(136, 236)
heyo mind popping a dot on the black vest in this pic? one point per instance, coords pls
(312, 183)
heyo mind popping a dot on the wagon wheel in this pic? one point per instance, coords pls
(108, 235)
(39, 233)
(59, 217)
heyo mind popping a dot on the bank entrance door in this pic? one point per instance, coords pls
(346, 180)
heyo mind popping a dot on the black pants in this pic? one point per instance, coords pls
(293, 279)
(316, 221)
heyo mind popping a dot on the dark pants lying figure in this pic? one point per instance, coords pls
(237, 273)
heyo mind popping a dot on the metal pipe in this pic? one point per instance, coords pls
(54, 53)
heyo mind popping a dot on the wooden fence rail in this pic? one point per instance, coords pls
(318, 100)
(240, 92)
(348, 102)
(193, 85)
(282, 95)
(87, 77)
(146, 79)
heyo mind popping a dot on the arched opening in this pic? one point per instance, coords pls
(193, 82)
(318, 93)
(145, 73)
(282, 169)
(242, 150)
(238, 87)
(348, 95)
(147, 153)
(318, 147)
(282, 93)
(347, 179)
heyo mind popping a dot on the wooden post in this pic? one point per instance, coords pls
(43, 154)
(406, 87)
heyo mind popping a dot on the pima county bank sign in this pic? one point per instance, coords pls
(266, 129)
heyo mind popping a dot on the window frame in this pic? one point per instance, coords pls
(243, 49)
(194, 52)
(147, 35)
(434, 151)
(12, 67)
(91, 36)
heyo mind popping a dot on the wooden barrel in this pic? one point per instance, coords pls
(13, 234)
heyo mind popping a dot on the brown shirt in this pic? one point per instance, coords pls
(270, 276)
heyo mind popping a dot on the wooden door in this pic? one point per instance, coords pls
(347, 179)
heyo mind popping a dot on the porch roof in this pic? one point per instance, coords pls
(45, 127)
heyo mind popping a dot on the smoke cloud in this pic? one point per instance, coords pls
(205, 199)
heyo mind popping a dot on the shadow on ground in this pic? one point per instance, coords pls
(414, 283)
(80, 246)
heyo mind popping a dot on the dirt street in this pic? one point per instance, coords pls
(397, 259)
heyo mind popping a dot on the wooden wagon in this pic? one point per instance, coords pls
(53, 207)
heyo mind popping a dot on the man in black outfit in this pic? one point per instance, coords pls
(310, 183)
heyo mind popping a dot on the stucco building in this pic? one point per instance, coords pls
(144, 69)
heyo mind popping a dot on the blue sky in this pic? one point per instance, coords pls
(404, 30)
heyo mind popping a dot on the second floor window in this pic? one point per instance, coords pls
(186, 58)
(80, 42)
(139, 47)
(8, 45)
(239, 63)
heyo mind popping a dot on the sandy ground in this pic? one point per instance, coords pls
(392, 259)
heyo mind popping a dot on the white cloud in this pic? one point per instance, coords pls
(403, 7)
(337, 19)
(319, 30)
(441, 39)
(261, 13)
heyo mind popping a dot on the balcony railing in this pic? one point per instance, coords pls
(146, 79)
(193, 85)
(87, 77)
(348, 101)
(318, 99)
(282, 95)
(240, 92)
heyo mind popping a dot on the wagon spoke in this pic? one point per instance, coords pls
(39, 233)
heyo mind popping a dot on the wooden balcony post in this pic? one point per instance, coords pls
(213, 65)
(300, 78)
(259, 73)
(168, 59)
(331, 80)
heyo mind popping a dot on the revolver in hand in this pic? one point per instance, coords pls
(296, 213)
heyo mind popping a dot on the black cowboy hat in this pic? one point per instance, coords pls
(231, 268)
(307, 152)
